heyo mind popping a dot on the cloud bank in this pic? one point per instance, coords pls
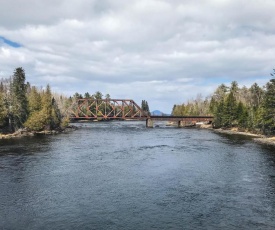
(165, 52)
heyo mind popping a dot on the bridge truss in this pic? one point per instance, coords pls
(124, 109)
(106, 109)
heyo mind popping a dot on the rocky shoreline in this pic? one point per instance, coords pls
(26, 133)
(234, 131)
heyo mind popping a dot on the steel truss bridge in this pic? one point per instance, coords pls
(124, 109)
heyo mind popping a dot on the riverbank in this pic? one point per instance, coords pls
(234, 131)
(26, 133)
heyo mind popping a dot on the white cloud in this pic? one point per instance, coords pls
(163, 51)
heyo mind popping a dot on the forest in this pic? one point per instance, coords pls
(30, 107)
(25, 106)
(248, 109)
(37, 109)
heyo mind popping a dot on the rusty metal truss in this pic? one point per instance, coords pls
(123, 109)
(106, 109)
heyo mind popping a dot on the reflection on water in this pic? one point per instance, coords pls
(120, 175)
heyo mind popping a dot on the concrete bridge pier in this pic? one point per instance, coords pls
(149, 123)
(181, 123)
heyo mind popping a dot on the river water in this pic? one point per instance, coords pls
(122, 175)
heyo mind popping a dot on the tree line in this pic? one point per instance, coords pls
(145, 106)
(248, 109)
(25, 106)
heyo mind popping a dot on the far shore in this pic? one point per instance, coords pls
(234, 131)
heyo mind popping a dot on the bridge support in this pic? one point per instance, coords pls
(186, 123)
(181, 123)
(149, 123)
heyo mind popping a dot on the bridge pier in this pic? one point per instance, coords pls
(149, 123)
(181, 124)
(187, 123)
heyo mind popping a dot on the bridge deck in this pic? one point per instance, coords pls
(180, 118)
(160, 118)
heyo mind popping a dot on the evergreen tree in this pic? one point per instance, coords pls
(87, 95)
(234, 89)
(230, 110)
(269, 108)
(34, 99)
(19, 104)
(256, 95)
(173, 110)
(258, 120)
(242, 115)
(213, 105)
(47, 107)
(98, 95)
(177, 110)
(41, 119)
(3, 110)
(77, 96)
(48, 117)
(220, 93)
(145, 106)
(55, 115)
(219, 115)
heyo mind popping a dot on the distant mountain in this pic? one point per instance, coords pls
(158, 113)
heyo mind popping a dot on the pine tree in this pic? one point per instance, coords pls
(269, 108)
(234, 89)
(87, 95)
(3, 110)
(47, 107)
(230, 110)
(219, 115)
(19, 104)
(145, 106)
(98, 95)
(55, 115)
(242, 115)
(173, 110)
(77, 96)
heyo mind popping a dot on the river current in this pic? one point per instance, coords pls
(122, 175)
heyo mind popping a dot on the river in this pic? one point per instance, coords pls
(122, 175)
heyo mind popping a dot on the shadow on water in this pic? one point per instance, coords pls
(235, 138)
(25, 145)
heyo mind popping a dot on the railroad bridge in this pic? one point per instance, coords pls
(124, 109)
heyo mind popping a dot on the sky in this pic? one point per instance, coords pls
(164, 51)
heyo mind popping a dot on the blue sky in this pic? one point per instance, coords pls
(166, 52)
(9, 42)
